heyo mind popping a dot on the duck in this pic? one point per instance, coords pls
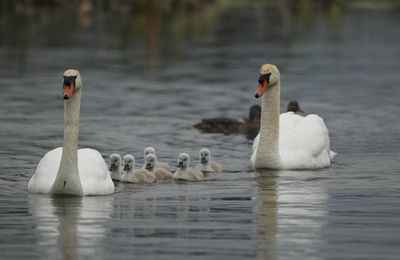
(135, 175)
(248, 126)
(67, 170)
(160, 172)
(115, 167)
(206, 165)
(287, 141)
(184, 172)
(293, 106)
(159, 164)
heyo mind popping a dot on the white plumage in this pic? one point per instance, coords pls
(288, 140)
(67, 170)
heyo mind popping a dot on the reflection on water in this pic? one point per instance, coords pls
(64, 223)
(267, 214)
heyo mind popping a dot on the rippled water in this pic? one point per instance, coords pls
(140, 91)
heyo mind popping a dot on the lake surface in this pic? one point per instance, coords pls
(149, 86)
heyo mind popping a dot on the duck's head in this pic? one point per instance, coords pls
(294, 107)
(72, 82)
(150, 161)
(129, 162)
(269, 77)
(148, 150)
(183, 160)
(205, 155)
(115, 161)
(255, 113)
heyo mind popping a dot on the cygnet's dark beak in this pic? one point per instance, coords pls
(148, 166)
(180, 164)
(127, 167)
(203, 159)
(112, 167)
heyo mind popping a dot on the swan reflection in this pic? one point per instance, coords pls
(64, 223)
(267, 214)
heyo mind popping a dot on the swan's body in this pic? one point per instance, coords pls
(162, 173)
(289, 140)
(151, 150)
(135, 175)
(115, 167)
(186, 173)
(67, 170)
(151, 165)
(206, 165)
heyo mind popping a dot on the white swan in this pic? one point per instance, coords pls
(184, 172)
(135, 175)
(151, 150)
(288, 141)
(206, 165)
(151, 165)
(115, 167)
(67, 170)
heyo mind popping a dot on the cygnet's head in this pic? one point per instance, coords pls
(183, 160)
(72, 82)
(150, 161)
(129, 162)
(115, 161)
(269, 77)
(255, 113)
(205, 155)
(148, 150)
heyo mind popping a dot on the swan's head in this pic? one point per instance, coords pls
(71, 83)
(183, 160)
(269, 76)
(148, 150)
(150, 161)
(205, 155)
(129, 162)
(115, 161)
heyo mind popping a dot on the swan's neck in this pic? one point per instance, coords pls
(67, 180)
(268, 146)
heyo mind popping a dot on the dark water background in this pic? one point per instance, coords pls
(149, 77)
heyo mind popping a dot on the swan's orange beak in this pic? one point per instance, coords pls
(261, 88)
(68, 87)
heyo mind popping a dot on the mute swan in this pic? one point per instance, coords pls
(184, 172)
(288, 141)
(160, 172)
(67, 170)
(151, 150)
(115, 167)
(206, 165)
(135, 175)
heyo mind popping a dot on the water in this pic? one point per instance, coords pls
(148, 87)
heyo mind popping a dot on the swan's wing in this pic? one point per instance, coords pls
(162, 173)
(93, 173)
(255, 142)
(46, 172)
(162, 165)
(216, 167)
(195, 174)
(305, 138)
(254, 150)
